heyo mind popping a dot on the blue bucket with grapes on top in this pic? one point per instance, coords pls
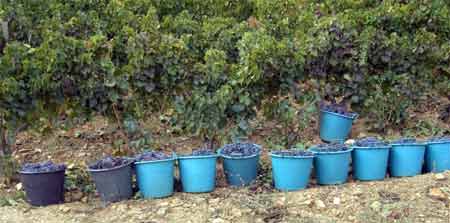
(406, 157)
(198, 171)
(331, 163)
(291, 169)
(335, 122)
(437, 154)
(240, 163)
(370, 159)
(155, 174)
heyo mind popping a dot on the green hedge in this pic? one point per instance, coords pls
(215, 62)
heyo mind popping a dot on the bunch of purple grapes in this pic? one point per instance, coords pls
(47, 166)
(293, 152)
(370, 142)
(240, 149)
(151, 156)
(404, 141)
(202, 152)
(109, 162)
(336, 108)
(331, 147)
(440, 139)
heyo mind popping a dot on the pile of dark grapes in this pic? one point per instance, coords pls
(337, 108)
(331, 147)
(109, 162)
(240, 149)
(440, 139)
(202, 152)
(404, 141)
(42, 167)
(370, 142)
(292, 153)
(151, 156)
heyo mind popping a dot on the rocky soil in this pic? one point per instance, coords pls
(424, 198)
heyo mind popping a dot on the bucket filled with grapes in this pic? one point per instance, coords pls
(406, 157)
(437, 154)
(43, 183)
(291, 169)
(112, 177)
(198, 171)
(240, 162)
(331, 163)
(155, 174)
(370, 159)
(335, 122)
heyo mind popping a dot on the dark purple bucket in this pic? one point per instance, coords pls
(44, 188)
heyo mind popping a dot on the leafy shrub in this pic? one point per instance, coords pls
(215, 62)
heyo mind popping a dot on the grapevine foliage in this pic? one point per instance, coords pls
(215, 62)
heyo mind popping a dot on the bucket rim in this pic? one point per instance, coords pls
(258, 152)
(371, 147)
(130, 161)
(185, 157)
(355, 115)
(41, 172)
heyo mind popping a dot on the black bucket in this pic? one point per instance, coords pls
(113, 184)
(43, 188)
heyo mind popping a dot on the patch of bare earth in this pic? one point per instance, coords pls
(423, 198)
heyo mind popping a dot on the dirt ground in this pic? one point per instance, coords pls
(424, 198)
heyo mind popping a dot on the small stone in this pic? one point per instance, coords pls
(375, 206)
(84, 199)
(19, 186)
(357, 192)
(236, 212)
(64, 209)
(218, 220)
(162, 211)
(71, 166)
(336, 201)
(437, 193)
(307, 202)
(320, 204)
(281, 201)
(440, 176)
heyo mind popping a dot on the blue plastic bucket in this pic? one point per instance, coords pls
(370, 163)
(335, 127)
(240, 171)
(437, 157)
(198, 173)
(291, 172)
(155, 179)
(331, 167)
(406, 159)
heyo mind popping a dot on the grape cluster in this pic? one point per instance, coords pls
(370, 142)
(440, 139)
(240, 149)
(151, 156)
(202, 152)
(331, 147)
(109, 162)
(404, 141)
(336, 108)
(292, 153)
(42, 167)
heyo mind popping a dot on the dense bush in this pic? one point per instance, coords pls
(214, 62)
